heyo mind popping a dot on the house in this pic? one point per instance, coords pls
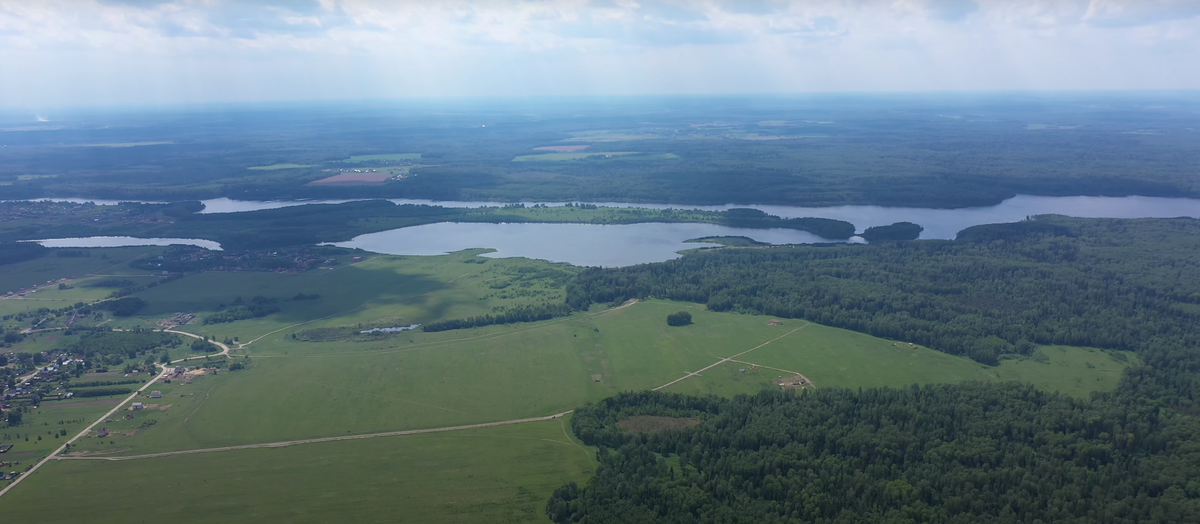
(138, 405)
(155, 394)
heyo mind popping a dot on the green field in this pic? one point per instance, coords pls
(357, 385)
(498, 474)
(273, 167)
(354, 159)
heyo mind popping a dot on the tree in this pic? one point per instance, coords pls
(14, 418)
(681, 318)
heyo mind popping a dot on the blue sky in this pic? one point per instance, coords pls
(67, 52)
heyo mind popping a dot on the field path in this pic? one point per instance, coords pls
(165, 369)
(324, 439)
(723, 360)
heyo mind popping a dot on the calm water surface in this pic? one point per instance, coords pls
(619, 245)
(578, 244)
(126, 241)
(938, 223)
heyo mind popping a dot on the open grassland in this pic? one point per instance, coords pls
(498, 474)
(353, 384)
(274, 167)
(354, 159)
(414, 380)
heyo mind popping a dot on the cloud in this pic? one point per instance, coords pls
(98, 51)
(1113, 13)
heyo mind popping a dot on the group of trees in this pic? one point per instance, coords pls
(998, 289)
(258, 306)
(526, 313)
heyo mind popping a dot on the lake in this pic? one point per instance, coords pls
(126, 241)
(938, 223)
(578, 244)
(620, 245)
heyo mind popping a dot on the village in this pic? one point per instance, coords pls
(188, 259)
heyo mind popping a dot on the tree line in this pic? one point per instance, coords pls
(965, 453)
(995, 290)
(526, 313)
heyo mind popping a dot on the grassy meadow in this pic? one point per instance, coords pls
(499, 474)
(294, 388)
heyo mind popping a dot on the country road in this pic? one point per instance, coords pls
(323, 439)
(161, 374)
(57, 454)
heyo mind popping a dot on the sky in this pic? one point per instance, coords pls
(100, 52)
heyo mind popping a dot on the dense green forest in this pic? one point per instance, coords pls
(968, 453)
(995, 290)
(910, 150)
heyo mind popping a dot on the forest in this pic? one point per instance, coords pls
(967, 453)
(914, 150)
(996, 291)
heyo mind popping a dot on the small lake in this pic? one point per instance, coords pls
(578, 244)
(126, 241)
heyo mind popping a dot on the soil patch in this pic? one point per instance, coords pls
(793, 382)
(651, 424)
(561, 149)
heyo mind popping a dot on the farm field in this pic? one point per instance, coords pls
(496, 474)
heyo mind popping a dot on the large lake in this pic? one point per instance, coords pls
(619, 245)
(578, 244)
(938, 223)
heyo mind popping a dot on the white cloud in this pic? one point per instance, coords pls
(91, 51)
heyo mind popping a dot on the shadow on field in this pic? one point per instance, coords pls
(340, 291)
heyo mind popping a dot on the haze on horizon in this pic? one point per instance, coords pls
(99, 52)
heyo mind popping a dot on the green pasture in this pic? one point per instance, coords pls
(415, 380)
(833, 357)
(274, 167)
(354, 159)
(497, 474)
(41, 430)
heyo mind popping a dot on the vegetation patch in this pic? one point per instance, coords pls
(653, 424)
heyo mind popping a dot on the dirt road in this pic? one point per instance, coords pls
(324, 439)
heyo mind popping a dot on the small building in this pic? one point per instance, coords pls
(155, 394)
(138, 405)
(102, 433)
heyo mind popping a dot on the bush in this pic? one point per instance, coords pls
(681, 318)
